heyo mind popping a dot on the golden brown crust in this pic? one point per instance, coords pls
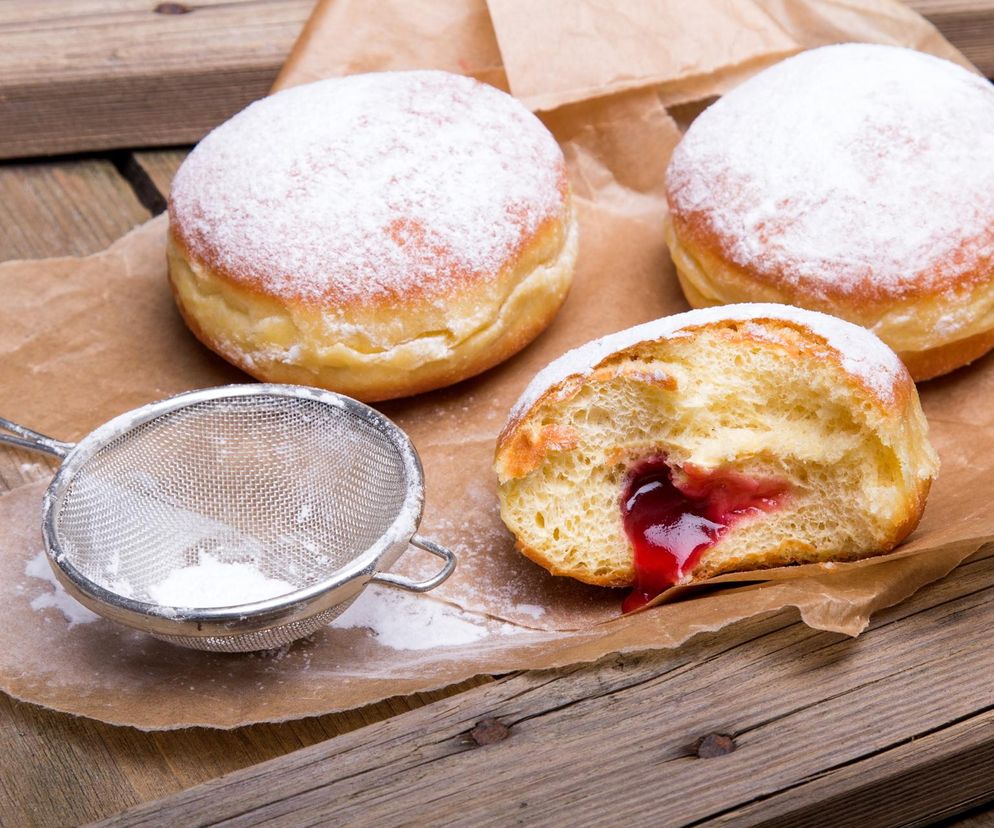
(518, 451)
(926, 365)
(377, 234)
(793, 553)
(616, 579)
(696, 230)
(371, 190)
(852, 174)
(527, 447)
(789, 553)
(912, 324)
(373, 352)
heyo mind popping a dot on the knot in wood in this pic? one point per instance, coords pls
(714, 744)
(488, 731)
(172, 8)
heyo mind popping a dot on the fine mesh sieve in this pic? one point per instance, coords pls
(308, 486)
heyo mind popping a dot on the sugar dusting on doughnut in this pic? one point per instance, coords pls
(847, 170)
(861, 353)
(369, 187)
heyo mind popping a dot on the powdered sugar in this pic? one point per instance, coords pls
(417, 622)
(73, 611)
(213, 583)
(369, 186)
(863, 354)
(533, 610)
(851, 168)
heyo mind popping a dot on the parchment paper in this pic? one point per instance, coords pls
(82, 340)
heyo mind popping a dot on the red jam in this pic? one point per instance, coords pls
(670, 523)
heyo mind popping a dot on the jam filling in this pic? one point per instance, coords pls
(671, 522)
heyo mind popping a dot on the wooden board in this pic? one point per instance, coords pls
(982, 817)
(64, 210)
(892, 728)
(79, 75)
(967, 24)
(92, 74)
(57, 769)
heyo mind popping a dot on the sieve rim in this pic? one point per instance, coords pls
(296, 605)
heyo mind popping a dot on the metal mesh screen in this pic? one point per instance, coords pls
(295, 486)
(263, 639)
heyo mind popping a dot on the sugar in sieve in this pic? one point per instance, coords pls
(313, 487)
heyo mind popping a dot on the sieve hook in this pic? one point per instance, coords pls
(32, 440)
(422, 586)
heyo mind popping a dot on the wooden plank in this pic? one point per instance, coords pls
(57, 769)
(71, 208)
(967, 24)
(898, 787)
(615, 742)
(78, 75)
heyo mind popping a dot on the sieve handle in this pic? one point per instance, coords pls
(32, 440)
(422, 586)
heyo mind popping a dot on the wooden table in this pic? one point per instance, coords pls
(767, 722)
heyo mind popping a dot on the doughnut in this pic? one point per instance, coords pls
(718, 440)
(854, 180)
(378, 235)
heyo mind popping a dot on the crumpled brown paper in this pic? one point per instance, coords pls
(686, 51)
(82, 340)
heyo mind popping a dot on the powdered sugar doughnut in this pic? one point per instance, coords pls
(852, 179)
(378, 235)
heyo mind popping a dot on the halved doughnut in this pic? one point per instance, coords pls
(718, 440)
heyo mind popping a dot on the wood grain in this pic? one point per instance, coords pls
(68, 209)
(57, 769)
(813, 716)
(967, 24)
(901, 786)
(621, 732)
(81, 75)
